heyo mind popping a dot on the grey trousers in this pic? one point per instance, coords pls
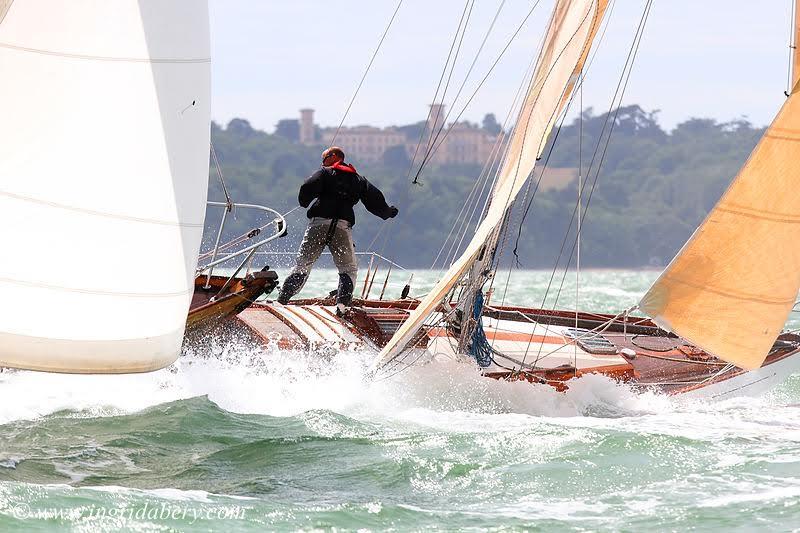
(339, 241)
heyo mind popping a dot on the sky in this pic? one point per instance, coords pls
(720, 59)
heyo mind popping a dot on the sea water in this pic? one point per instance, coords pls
(237, 437)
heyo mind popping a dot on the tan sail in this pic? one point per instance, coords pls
(732, 286)
(573, 27)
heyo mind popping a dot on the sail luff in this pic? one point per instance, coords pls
(796, 50)
(570, 34)
(731, 287)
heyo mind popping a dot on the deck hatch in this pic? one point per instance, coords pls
(591, 341)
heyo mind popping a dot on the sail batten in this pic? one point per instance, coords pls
(732, 286)
(569, 37)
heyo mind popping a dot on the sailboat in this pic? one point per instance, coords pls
(103, 177)
(714, 318)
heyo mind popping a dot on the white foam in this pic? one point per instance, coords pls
(445, 394)
(248, 379)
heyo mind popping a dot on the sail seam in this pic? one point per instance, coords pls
(786, 130)
(97, 291)
(782, 137)
(105, 58)
(100, 213)
(761, 215)
(732, 294)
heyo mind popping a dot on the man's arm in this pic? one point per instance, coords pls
(374, 201)
(311, 188)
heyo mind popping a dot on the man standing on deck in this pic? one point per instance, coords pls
(335, 189)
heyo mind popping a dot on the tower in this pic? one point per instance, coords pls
(435, 117)
(307, 133)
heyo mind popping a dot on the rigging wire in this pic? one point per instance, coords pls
(580, 199)
(536, 188)
(569, 104)
(527, 81)
(479, 86)
(499, 155)
(366, 71)
(471, 197)
(390, 223)
(433, 138)
(491, 241)
(438, 88)
(553, 116)
(508, 201)
(618, 95)
(430, 153)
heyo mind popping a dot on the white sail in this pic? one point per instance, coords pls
(572, 29)
(103, 180)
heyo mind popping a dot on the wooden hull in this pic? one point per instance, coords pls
(534, 345)
(208, 308)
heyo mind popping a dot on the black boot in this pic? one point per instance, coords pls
(344, 294)
(291, 286)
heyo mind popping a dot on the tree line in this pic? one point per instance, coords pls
(645, 190)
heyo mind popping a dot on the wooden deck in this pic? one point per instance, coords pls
(206, 310)
(639, 352)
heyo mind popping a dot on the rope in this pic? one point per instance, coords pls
(366, 71)
(479, 347)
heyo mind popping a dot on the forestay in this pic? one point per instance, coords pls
(573, 26)
(103, 180)
(732, 286)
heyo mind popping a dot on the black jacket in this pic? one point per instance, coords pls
(335, 190)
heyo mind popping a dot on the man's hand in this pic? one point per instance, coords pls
(393, 211)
